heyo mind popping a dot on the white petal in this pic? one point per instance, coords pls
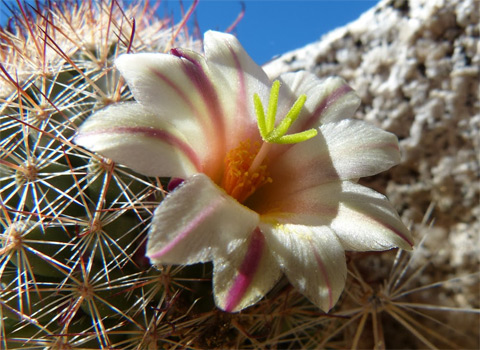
(328, 100)
(237, 78)
(362, 218)
(131, 135)
(179, 87)
(311, 257)
(367, 221)
(245, 275)
(197, 222)
(358, 149)
(169, 85)
(349, 149)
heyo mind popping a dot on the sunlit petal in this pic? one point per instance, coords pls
(343, 150)
(178, 86)
(367, 221)
(170, 85)
(245, 274)
(362, 218)
(131, 135)
(311, 257)
(237, 77)
(328, 100)
(198, 222)
(358, 149)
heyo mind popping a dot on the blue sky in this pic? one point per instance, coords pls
(272, 27)
(269, 27)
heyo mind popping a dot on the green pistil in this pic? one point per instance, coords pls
(266, 124)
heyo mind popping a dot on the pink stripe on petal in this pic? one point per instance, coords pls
(175, 87)
(324, 272)
(204, 86)
(166, 137)
(218, 122)
(397, 232)
(247, 270)
(189, 228)
(242, 90)
(375, 217)
(326, 103)
(249, 125)
(214, 128)
(159, 134)
(174, 183)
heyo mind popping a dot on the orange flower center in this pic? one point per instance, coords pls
(239, 181)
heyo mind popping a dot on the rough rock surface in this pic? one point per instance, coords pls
(416, 66)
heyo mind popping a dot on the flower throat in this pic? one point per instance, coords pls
(239, 180)
(245, 168)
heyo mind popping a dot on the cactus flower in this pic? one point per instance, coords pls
(268, 170)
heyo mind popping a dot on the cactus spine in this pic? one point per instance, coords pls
(72, 266)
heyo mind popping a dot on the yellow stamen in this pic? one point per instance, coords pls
(240, 179)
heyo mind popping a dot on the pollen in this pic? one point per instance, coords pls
(239, 181)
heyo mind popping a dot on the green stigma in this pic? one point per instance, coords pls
(266, 124)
